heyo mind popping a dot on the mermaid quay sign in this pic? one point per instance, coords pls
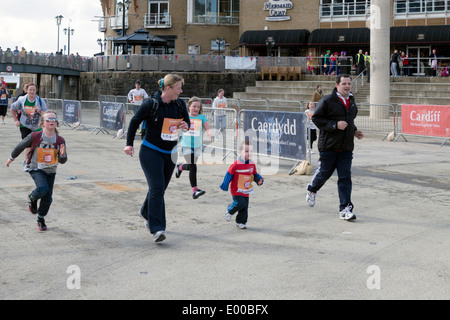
(278, 10)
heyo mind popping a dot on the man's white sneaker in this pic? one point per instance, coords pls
(241, 225)
(228, 216)
(310, 198)
(346, 214)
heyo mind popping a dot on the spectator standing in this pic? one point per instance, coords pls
(405, 60)
(318, 94)
(367, 65)
(4, 96)
(360, 61)
(394, 63)
(220, 116)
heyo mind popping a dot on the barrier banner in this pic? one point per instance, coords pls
(71, 111)
(426, 120)
(112, 115)
(240, 63)
(279, 134)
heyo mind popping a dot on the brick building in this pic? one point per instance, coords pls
(271, 27)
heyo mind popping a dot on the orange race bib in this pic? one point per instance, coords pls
(47, 158)
(221, 105)
(195, 129)
(245, 184)
(169, 130)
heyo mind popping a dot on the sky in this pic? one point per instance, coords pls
(31, 24)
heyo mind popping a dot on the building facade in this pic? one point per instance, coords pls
(271, 27)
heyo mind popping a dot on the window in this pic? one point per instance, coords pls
(158, 12)
(215, 11)
(402, 7)
(344, 8)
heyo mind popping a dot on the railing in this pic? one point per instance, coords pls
(116, 22)
(72, 62)
(157, 20)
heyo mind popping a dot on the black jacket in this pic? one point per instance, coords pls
(330, 109)
(154, 123)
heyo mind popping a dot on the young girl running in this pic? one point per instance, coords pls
(47, 149)
(191, 144)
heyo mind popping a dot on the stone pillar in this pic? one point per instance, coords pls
(380, 17)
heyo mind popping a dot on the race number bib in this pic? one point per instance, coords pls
(169, 130)
(30, 111)
(47, 158)
(245, 184)
(195, 129)
(221, 105)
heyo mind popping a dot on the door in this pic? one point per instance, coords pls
(418, 59)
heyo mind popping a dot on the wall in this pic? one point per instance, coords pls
(203, 85)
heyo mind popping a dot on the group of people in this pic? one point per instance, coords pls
(334, 117)
(165, 114)
(338, 63)
(399, 64)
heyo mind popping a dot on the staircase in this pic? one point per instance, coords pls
(404, 90)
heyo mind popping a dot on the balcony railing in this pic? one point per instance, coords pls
(116, 22)
(157, 20)
(102, 25)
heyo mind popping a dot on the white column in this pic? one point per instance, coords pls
(380, 17)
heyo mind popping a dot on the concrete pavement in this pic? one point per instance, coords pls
(96, 246)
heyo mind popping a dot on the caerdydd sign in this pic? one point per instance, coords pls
(278, 9)
(276, 134)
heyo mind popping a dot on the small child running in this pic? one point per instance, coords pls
(191, 144)
(241, 174)
(47, 149)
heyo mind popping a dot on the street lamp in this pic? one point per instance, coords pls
(218, 42)
(100, 43)
(58, 23)
(68, 32)
(270, 42)
(125, 4)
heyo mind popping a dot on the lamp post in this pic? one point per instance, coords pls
(68, 32)
(125, 4)
(219, 42)
(100, 43)
(270, 42)
(58, 23)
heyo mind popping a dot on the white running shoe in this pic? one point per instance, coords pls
(310, 198)
(228, 216)
(241, 225)
(346, 214)
(159, 236)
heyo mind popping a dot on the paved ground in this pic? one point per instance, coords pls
(398, 248)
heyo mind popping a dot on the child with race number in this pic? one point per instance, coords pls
(191, 144)
(46, 149)
(240, 176)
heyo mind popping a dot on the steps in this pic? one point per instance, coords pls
(404, 90)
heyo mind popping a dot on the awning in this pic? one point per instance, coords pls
(420, 34)
(140, 37)
(399, 35)
(335, 37)
(296, 37)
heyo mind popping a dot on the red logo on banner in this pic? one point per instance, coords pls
(426, 120)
